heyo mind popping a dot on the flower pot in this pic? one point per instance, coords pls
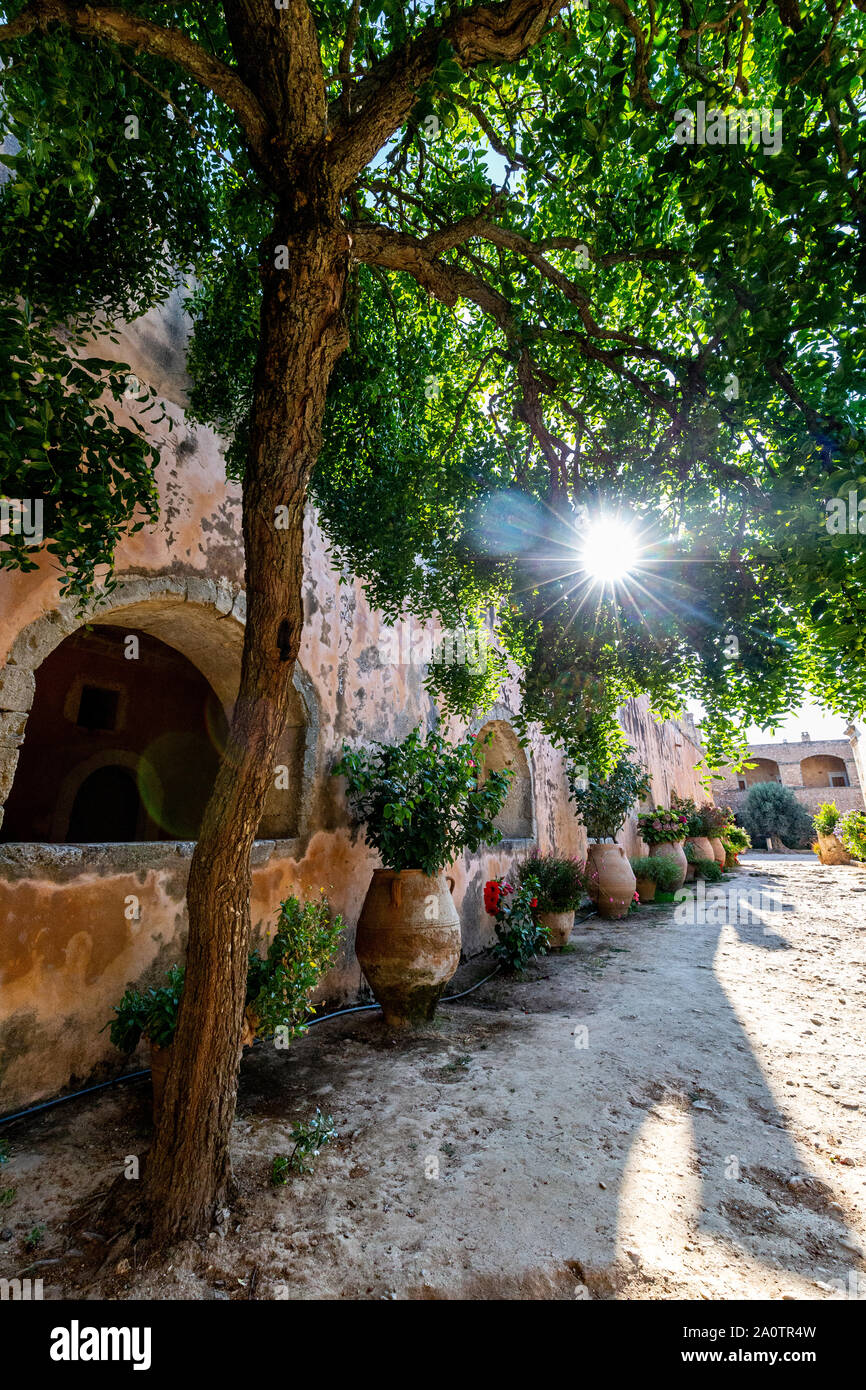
(408, 943)
(611, 881)
(160, 1058)
(718, 850)
(559, 925)
(646, 887)
(673, 849)
(832, 851)
(702, 847)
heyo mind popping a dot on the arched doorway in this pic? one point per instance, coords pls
(122, 743)
(515, 820)
(107, 807)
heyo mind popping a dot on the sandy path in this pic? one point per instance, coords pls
(667, 1110)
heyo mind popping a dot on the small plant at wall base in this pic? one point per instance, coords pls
(310, 1138)
(708, 869)
(558, 882)
(852, 832)
(519, 935)
(279, 986)
(662, 872)
(826, 818)
(420, 800)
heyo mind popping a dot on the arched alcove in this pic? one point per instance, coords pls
(515, 820)
(766, 770)
(196, 626)
(123, 742)
(823, 770)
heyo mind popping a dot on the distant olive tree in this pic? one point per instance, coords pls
(771, 809)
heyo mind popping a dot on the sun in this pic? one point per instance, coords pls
(609, 551)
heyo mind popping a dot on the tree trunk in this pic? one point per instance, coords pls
(188, 1172)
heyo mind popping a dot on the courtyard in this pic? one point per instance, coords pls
(661, 1111)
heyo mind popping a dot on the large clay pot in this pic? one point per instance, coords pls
(408, 943)
(646, 887)
(611, 881)
(672, 849)
(832, 851)
(701, 845)
(559, 925)
(718, 850)
(159, 1060)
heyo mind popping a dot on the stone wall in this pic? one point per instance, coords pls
(80, 923)
(805, 767)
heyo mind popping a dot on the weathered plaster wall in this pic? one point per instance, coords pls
(68, 948)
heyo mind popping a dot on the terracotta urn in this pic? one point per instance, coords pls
(832, 851)
(408, 943)
(702, 847)
(160, 1058)
(610, 879)
(673, 849)
(559, 925)
(718, 850)
(646, 887)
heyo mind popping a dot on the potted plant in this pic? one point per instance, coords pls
(831, 850)
(422, 805)
(852, 831)
(558, 886)
(716, 820)
(602, 805)
(696, 836)
(655, 872)
(736, 841)
(664, 832)
(279, 986)
(520, 934)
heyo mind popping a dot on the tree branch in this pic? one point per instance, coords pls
(382, 100)
(144, 36)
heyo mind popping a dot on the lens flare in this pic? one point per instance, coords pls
(609, 551)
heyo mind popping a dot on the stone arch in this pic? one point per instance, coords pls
(823, 770)
(767, 770)
(203, 619)
(516, 820)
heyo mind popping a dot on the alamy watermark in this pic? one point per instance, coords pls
(846, 517)
(408, 644)
(737, 126)
(22, 516)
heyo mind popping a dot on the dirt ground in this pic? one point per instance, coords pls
(664, 1110)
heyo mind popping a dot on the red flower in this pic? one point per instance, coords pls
(492, 893)
(534, 903)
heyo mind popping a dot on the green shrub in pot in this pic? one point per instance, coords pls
(658, 869)
(558, 881)
(421, 801)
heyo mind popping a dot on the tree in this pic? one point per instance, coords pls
(771, 809)
(555, 310)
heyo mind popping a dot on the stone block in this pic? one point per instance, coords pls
(17, 688)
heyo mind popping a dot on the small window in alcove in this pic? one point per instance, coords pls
(97, 708)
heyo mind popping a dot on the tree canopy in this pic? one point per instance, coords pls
(560, 312)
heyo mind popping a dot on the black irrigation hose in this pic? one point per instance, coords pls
(137, 1075)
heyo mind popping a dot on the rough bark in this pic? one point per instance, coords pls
(188, 1172)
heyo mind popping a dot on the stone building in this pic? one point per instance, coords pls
(816, 770)
(110, 728)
